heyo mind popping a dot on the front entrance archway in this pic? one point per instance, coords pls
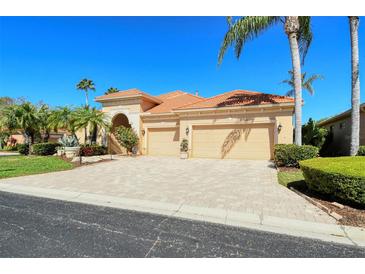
(113, 144)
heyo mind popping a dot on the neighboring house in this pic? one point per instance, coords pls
(339, 128)
(238, 124)
(53, 137)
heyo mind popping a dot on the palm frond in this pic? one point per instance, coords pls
(243, 30)
(305, 35)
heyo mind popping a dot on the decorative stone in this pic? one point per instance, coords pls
(335, 215)
(338, 205)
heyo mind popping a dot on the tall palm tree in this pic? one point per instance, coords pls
(111, 90)
(299, 33)
(307, 83)
(355, 85)
(63, 118)
(86, 85)
(90, 119)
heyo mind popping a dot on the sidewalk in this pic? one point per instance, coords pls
(326, 232)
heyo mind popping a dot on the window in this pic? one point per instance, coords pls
(341, 125)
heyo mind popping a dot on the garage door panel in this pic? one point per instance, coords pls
(163, 142)
(233, 142)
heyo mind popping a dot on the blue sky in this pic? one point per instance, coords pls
(42, 58)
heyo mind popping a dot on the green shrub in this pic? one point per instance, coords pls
(361, 151)
(126, 137)
(44, 148)
(22, 149)
(289, 155)
(340, 177)
(184, 146)
(10, 148)
(92, 150)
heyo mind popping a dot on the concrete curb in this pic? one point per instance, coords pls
(326, 232)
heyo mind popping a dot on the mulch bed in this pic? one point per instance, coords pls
(352, 215)
(77, 164)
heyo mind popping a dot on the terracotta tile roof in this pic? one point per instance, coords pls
(170, 94)
(128, 93)
(174, 100)
(239, 98)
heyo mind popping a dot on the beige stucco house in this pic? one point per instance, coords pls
(238, 124)
(339, 127)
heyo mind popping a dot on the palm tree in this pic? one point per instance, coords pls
(307, 83)
(86, 85)
(111, 90)
(44, 114)
(63, 118)
(28, 121)
(92, 119)
(355, 86)
(299, 33)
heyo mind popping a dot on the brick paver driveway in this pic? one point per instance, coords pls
(237, 185)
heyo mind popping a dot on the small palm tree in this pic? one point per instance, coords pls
(355, 86)
(86, 85)
(63, 118)
(111, 90)
(307, 83)
(44, 114)
(90, 119)
(298, 31)
(27, 120)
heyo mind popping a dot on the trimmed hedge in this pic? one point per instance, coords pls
(340, 177)
(289, 155)
(361, 151)
(22, 149)
(44, 149)
(92, 150)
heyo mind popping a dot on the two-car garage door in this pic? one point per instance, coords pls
(221, 142)
(233, 142)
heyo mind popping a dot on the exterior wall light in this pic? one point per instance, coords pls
(279, 127)
(143, 132)
(187, 130)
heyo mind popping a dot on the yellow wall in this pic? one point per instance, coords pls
(188, 120)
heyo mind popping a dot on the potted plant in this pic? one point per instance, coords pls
(184, 147)
(70, 146)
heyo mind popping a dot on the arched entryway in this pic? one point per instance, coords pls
(117, 121)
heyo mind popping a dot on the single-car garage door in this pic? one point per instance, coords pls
(233, 142)
(163, 141)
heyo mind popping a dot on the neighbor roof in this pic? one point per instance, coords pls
(238, 98)
(340, 116)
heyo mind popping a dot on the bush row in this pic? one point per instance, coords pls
(289, 155)
(44, 148)
(340, 177)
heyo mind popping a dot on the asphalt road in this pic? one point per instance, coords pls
(37, 227)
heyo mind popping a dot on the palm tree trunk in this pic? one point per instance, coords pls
(87, 99)
(355, 86)
(291, 29)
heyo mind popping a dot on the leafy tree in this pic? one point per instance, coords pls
(126, 137)
(307, 83)
(313, 134)
(298, 31)
(90, 119)
(111, 90)
(86, 85)
(355, 85)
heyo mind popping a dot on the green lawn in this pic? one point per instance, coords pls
(12, 166)
(293, 179)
